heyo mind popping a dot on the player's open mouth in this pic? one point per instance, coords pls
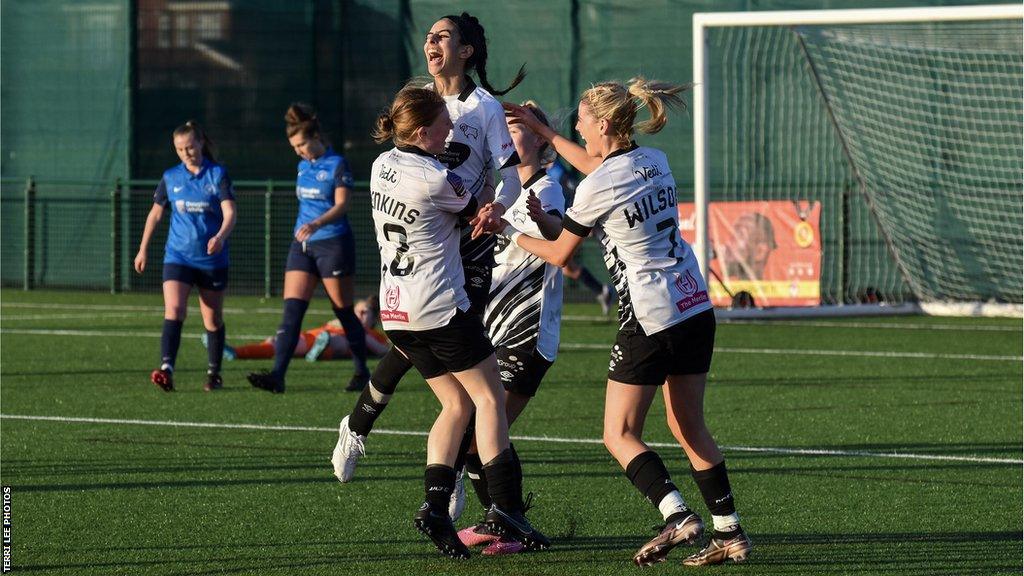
(434, 57)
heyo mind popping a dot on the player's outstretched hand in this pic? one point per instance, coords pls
(488, 220)
(215, 245)
(140, 262)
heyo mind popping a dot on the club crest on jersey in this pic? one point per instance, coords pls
(211, 190)
(392, 299)
(690, 289)
(469, 131)
(456, 183)
(322, 176)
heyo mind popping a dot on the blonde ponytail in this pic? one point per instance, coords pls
(657, 97)
(619, 104)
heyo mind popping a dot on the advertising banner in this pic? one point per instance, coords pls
(771, 250)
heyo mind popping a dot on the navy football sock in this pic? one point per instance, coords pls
(288, 335)
(215, 349)
(355, 333)
(170, 340)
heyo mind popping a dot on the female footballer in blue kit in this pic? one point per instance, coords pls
(323, 249)
(478, 143)
(667, 324)
(199, 194)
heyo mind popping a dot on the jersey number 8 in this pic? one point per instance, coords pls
(401, 265)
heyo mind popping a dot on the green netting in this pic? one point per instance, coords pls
(74, 95)
(933, 120)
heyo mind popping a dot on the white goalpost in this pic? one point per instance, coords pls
(904, 127)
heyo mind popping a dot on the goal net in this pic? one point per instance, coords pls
(904, 125)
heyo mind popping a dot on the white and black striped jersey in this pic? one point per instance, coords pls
(478, 143)
(630, 199)
(416, 204)
(524, 309)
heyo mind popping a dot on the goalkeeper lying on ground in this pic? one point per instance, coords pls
(326, 342)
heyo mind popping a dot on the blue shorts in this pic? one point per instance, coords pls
(215, 279)
(328, 258)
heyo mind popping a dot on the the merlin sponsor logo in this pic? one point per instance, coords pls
(649, 205)
(691, 301)
(469, 131)
(395, 208)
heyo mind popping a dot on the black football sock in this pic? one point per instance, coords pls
(475, 471)
(375, 397)
(713, 484)
(505, 481)
(439, 483)
(648, 473)
(369, 406)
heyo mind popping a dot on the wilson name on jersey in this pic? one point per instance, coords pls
(416, 204)
(524, 309)
(630, 199)
(479, 142)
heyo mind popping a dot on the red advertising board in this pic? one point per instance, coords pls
(770, 249)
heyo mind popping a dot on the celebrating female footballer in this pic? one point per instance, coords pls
(524, 309)
(667, 324)
(479, 141)
(417, 204)
(323, 249)
(202, 202)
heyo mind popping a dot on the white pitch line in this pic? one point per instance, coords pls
(551, 439)
(565, 317)
(574, 346)
(869, 325)
(803, 352)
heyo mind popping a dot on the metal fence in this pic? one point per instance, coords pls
(84, 234)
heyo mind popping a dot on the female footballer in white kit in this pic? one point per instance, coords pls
(524, 309)
(478, 142)
(417, 203)
(667, 324)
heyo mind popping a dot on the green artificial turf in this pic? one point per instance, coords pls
(140, 496)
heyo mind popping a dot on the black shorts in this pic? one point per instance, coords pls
(328, 258)
(521, 372)
(685, 348)
(458, 346)
(215, 279)
(478, 286)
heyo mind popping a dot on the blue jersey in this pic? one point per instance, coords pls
(314, 188)
(196, 215)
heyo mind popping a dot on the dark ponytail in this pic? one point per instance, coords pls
(302, 119)
(192, 128)
(471, 33)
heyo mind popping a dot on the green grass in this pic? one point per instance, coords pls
(91, 498)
